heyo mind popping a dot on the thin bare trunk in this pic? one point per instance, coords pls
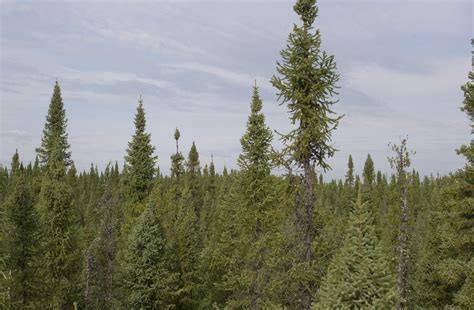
(402, 281)
(307, 229)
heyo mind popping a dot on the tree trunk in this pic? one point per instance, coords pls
(402, 280)
(307, 229)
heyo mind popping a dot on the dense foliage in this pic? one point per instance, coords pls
(197, 238)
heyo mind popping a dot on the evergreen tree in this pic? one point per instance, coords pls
(101, 252)
(446, 276)
(359, 275)
(369, 172)
(193, 179)
(307, 84)
(350, 173)
(140, 161)
(54, 133)
(151, 284)
(399, 162)
(186, 229)
(59, 243)
(20, 229)
(256, 217)
(177, 159)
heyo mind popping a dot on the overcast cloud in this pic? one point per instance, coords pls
(194, 62)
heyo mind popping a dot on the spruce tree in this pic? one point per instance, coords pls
(400, 162)
(307, 85)
(359, 275)
(100, 254)
(256, 215)
(21, 231)
(152, 285)
(369, 172)
(140, 162)
(55, 137)
(446, 276)
(186, 230)
(177, 159)
(193, 179)
(58, 218)
(350, 173)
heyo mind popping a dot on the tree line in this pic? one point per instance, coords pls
(133, 237)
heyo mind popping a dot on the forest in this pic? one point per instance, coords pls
(136, 237)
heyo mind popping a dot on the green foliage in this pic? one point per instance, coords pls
(101, 252)
(307, 84)
(369, 172)
(350, 173)
(152, 285)
(140, 161)
(20, 228)
(359, 276)
(240, 239)
(445, 274)
(54, 132)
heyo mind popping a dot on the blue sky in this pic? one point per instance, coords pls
(194, 62)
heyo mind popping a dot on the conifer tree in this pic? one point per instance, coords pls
(400, 162)
(152, 285)
(140, 162)
(256, 214)
(193, 179)
(177, 159)
(57, 217)
(187, 250)
(359, 275)
(350, 173)
(21, 231)
(307, 85)
(101, 252)
(54, 133)
(187, 229)
(207, 217)
(446, 276)
(369, 172)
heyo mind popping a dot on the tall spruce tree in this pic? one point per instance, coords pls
(359, 275)
(177, 159)
(350, 173)
(307, 85)
(255, 222)
(140, 161)
(55, 137)
(400, 162)
(58, 218)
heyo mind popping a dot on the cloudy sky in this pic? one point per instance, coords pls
(194, 62)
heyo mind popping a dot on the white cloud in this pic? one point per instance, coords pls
(396, 86)
(110, 77)
(224, 74)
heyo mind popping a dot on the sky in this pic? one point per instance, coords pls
(194, 63)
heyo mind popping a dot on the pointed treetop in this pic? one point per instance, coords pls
(54, 150)
(140, 120)
(177, 134)
(307, 10)
(15, 166)
(193, 160)
(256, 105)
(369, 171)
(350, 172)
